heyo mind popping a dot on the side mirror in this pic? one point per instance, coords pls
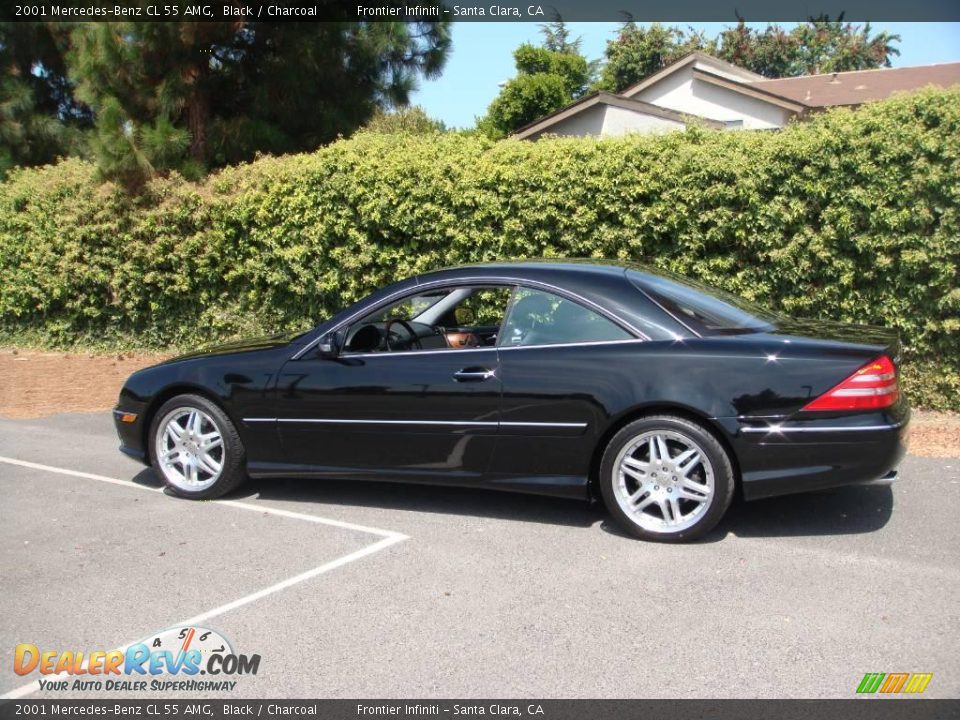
(329, 346)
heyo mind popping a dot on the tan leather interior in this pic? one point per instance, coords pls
(461, 339)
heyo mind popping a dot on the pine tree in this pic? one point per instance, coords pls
(187, 96)
(39, 118)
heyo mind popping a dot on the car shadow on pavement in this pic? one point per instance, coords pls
(844, 511)
(442, 500)
(429, 499)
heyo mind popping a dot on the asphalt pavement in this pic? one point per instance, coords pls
(382, 590)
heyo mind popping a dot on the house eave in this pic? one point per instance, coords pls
(749, 90)
(681, 63)
(605, 98)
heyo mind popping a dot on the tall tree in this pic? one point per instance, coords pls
(639, 51)
(189, 95)
(817, 46)
(827, 47)
(769, 52)
(151, 87)
(39, 118)
(548, 77)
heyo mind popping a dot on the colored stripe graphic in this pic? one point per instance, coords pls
(918, 682)
(892, 683)
(870, 682)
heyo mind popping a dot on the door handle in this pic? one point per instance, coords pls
(474, 374)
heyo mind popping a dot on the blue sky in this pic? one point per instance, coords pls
(482, 57)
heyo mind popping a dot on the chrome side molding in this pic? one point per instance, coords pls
(777, 429)
(456, 423)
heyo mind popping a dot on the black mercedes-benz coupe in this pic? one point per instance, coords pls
(587, 379)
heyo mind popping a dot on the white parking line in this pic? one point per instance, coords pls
(231, 503)
(388, 538)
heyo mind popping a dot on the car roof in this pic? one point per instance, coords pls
(540, 267)
(600, 281)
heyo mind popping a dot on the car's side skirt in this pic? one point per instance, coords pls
(569, 486)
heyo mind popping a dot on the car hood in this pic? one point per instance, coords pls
(265, 342)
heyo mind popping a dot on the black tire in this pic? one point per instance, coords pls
(706, 442)
(233, 465)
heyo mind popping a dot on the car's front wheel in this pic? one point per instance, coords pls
(666, 478)
(195, 449)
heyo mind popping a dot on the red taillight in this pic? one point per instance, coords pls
(872, 386)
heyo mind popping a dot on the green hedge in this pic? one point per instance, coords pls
(852, 216)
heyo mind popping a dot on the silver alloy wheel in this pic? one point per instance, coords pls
(664, 481)
(189, 448)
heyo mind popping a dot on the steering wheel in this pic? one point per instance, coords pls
(415, 340)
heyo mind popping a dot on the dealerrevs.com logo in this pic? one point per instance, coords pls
(169, 661)
(894, 683)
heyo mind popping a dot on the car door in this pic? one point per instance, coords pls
(560, 362)
(427, 411)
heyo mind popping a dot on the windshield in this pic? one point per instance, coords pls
(409, 308)
(704, 309)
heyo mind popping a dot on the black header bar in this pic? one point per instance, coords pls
(875, 708)
(482, 11)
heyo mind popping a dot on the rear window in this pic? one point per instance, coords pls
(703, 309)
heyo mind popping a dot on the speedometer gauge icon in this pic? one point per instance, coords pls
(183, 639)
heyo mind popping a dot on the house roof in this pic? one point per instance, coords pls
(798, 94)
(605, 98)
(859, 86)
(808, 91)
(716, 64)
(751, 89)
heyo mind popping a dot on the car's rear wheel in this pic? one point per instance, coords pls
(195, 449)
(666, 478)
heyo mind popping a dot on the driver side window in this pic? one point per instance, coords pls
(453, 318)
